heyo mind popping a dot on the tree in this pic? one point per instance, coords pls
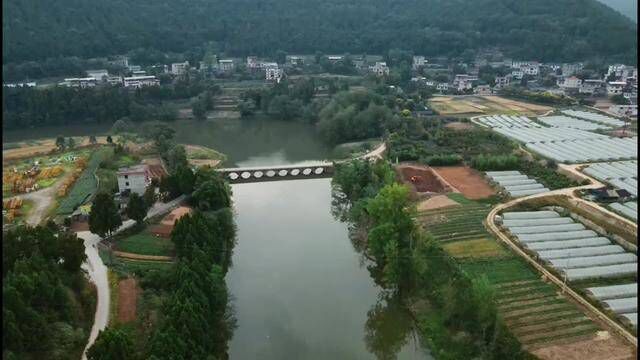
(60, 142)
(93, 140)
(199, 109)
(109, 139)
(176, 157)
(104, 217)
(72, 251)
(112, 343)
(71, 143)
(149, 196)
(121, 126)
(136, 208)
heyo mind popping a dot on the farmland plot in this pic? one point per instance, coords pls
(568, 247)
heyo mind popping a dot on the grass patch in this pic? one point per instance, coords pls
(460, 199)
(113, 297)
(145, 243)
(107, 180)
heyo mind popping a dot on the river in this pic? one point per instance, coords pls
(300, 289)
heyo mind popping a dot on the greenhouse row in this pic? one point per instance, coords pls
(594, 117)
(569, 122)
(620, 299)
(535, 135)
(621, 174)
(498, 121)
(515, 183)
(568, 246)
(628, 209)
(581, 151)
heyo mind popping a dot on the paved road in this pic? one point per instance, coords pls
(98, 271)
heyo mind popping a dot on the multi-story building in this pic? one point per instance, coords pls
(114, 80)
(571, 69)
(483, 90)
(80, 82)
(380, 68)
(464, 82)
(418, 62)
(615, 87)
(295, 60)
(179, 68)
(335, 58)
(134, 179)
(532, 69)
(570, 83)
(225, 65)
(502, 81)
(273, 74)
(442, 87)
(591, 86)
(252, 62)
(24, 84)
(99, 75)
(140, 81)
(517, 74)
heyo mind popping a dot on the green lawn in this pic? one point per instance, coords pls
(145, 243)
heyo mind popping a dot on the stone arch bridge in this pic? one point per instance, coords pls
(321, 169)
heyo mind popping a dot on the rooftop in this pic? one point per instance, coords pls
(136, 169)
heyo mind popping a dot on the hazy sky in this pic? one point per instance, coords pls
(626, 7)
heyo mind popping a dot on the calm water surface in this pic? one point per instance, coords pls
(300, 289)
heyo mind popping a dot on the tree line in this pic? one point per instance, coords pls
(553, 30)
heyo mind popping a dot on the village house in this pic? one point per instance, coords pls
(591, 86)
(79, 82)
(134, 179)
(120, 61)
(140, 81)
(418, 62)
(295, 60)
(24, 84)
(99, 75)
(569, 84)
(502, 81)
(225, 65)
(615, 87)
(571, 69)
(335, 58)
(464, 82)
(179, 68)
(273, 74)
(517, 74)
(114, 80)
(622, 72)
(133, 68)
(380, 68)
(442, 87)
(252, 62)
(139, 73)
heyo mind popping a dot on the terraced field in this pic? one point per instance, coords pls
(456, 223)
(532, 309)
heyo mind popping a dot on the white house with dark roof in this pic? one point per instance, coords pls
(134, 179)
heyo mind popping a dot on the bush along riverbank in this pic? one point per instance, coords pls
(455, 313)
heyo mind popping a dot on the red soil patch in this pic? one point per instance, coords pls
(165, 226)
(466, 180)
(79, 226)
(423, 179)
(127, 300)
(161, 230)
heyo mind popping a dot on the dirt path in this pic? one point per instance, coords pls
(132, 256)
(127, 300)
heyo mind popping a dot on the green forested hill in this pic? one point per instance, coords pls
(547, 30)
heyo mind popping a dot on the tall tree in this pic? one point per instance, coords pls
(104, 217)
(136, 208)
(112, 343)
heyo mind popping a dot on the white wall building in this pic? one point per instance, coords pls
(225, 64)
(442, 87)
(79, 82)
(252, 62)
(134, 179)
(140, 81)
(273, 74)
(114, 80)
(99, 75)
(483, 90)
(517, 74)
(569, 83)
(615, 87)
(570, 69)
(380, 68)
(179, 68)
(591, 86)
(25, 84)
(502, 81)
(418, 62)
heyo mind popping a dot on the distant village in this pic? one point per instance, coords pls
(483, 76)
